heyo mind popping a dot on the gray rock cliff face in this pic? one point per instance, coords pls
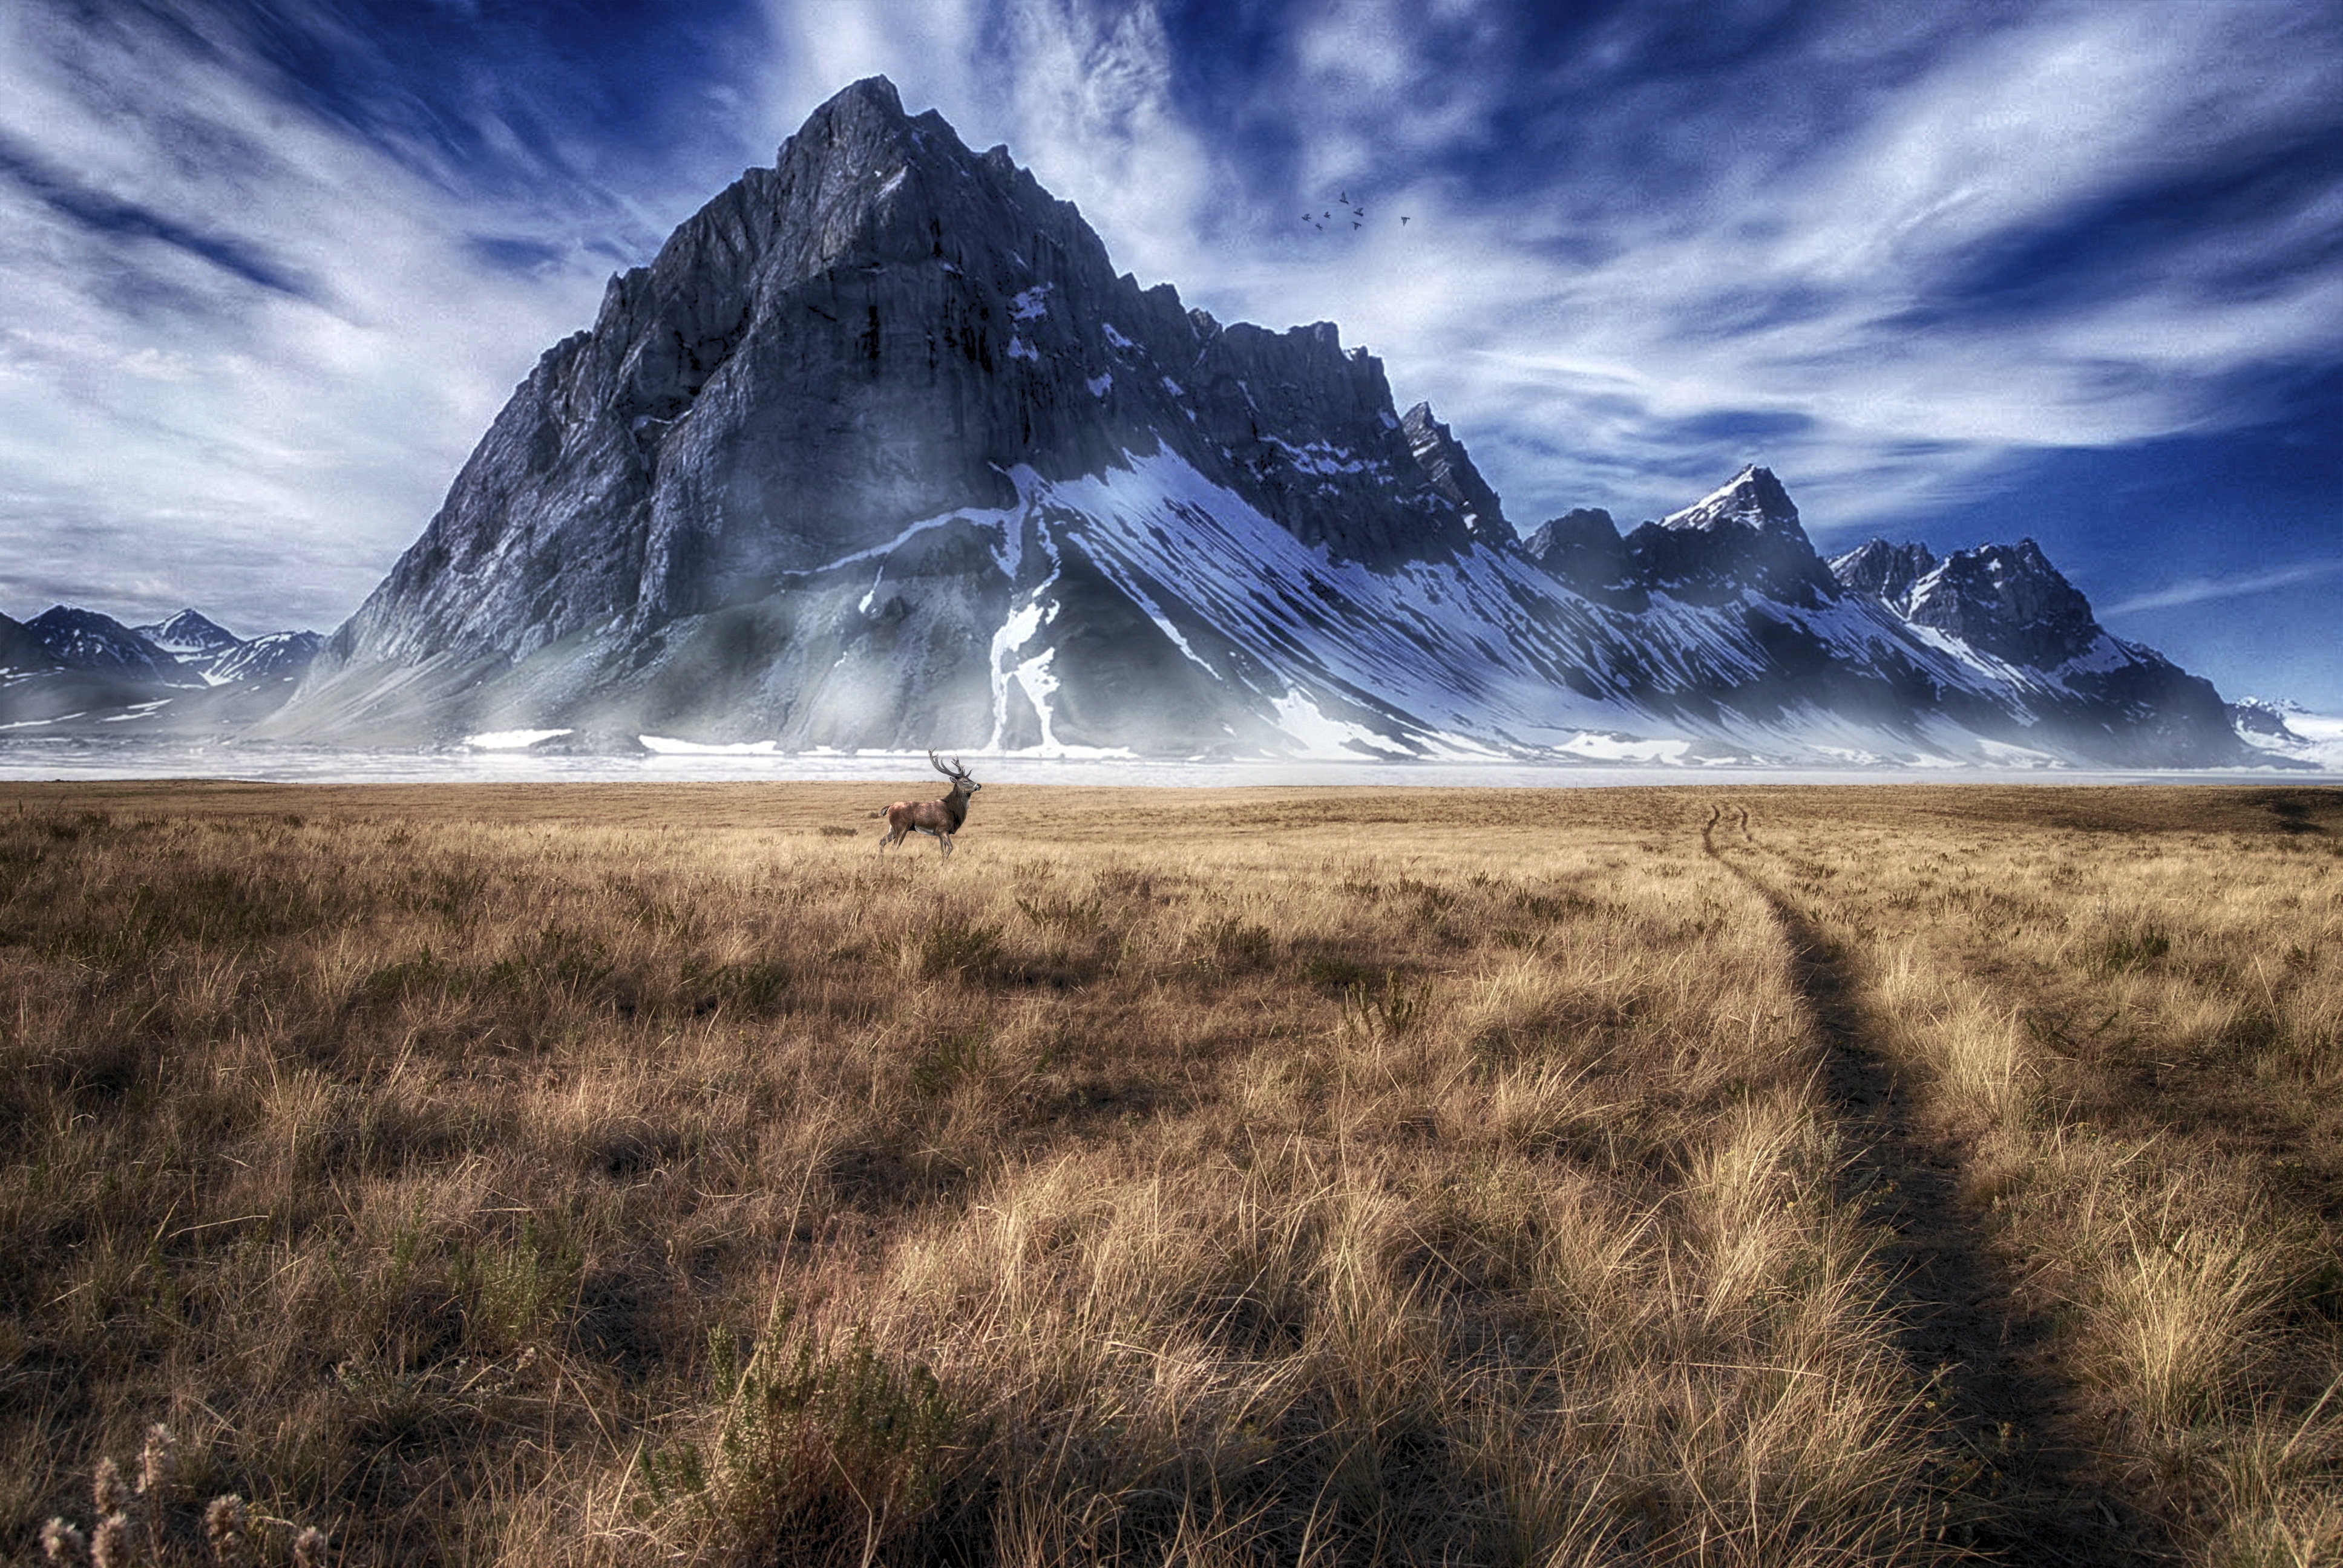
(2006, 601)
(1883, 571)
(1451, 470)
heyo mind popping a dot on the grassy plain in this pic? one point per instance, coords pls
(614, 1174)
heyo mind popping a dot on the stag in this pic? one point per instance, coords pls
(939, 819)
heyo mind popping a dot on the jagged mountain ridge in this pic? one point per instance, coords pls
(85, 639)
(76, 671)
(880, 451)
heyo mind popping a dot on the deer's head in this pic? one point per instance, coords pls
(961, 783)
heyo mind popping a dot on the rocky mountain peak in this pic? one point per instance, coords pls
(1743, 537)
(1883, 571)
(1752, 499)
(1583, 550)
(883, 327)
(87, 639)
(1451, 473)
(271, 655)
(2006, 601)
(190, 632)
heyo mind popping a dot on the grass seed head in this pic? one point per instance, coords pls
(107, 1490)
(309, 1548)
(158, 1461)
(61, 1543)
(223, 1526)
(109, 1546)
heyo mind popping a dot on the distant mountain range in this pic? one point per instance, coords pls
(71, 671)
(880, 451)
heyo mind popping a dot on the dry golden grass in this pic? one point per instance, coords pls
(2126, 1014)
(614, 1174)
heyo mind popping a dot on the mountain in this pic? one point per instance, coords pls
(189, 633)
(1446, 464)
(2259, 719)
(77, 672)
(22, 649)
(2009, 610)
(85, 639)
(1744, 536)
(277, 655)
(2286, 730)
(1582, 549)
(1883, 571)
(880, 451)
(195, 639)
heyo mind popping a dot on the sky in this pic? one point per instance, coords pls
(1956, 274)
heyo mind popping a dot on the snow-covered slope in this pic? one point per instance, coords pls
(2288, 729)
(273, 654)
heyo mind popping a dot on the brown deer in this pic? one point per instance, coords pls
(939, 819)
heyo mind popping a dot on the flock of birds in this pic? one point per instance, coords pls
(1356, 214)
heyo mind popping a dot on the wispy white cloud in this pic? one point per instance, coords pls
(168, 422)
(2198, 590)
(1806, 277)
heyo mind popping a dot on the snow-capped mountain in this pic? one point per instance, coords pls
(2013, 613)
(275, 654)
(71, 670)
(2288, 729)
(195, 639)
(85, 639)
(880, 451)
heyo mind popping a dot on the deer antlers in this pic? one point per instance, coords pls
(954, 772)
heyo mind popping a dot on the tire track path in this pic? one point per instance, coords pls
(2032, 1482)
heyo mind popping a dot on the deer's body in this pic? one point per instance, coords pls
(939, 819)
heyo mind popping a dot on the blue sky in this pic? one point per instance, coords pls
(1961, 273)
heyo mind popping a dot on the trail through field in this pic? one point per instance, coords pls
(2037, 1491)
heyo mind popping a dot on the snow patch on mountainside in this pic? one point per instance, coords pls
(1622, 748)
(512, 739)
(2316, 739)
(1338, 632)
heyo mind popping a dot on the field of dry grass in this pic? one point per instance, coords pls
(618, 1174)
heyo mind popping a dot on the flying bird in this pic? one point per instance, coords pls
(1402, 220)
